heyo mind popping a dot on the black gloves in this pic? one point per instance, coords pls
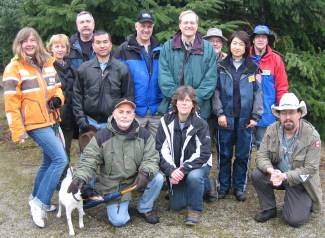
(54, 102)
(141, 180)
(75, 185)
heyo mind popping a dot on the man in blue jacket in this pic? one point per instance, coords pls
(141, 53)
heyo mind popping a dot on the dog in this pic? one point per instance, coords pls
(70, 202)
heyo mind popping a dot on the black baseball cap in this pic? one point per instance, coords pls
(145, 16)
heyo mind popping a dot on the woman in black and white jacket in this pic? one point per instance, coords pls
(184, 145)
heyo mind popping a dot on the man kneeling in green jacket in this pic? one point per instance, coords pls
(124, 154)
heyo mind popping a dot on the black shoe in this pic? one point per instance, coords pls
(222, 195)
(265, 215)
(149, 217)
(240, 196)
(212, 195)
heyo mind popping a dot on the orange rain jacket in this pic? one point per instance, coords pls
(27, 88)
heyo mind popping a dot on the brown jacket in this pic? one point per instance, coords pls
(305, 158)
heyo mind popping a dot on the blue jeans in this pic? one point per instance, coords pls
(52, 166)
(118, 214)
(241, 138)
(259, 134)
(94, 123)
(190, 191)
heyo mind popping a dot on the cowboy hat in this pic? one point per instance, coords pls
(289, 101)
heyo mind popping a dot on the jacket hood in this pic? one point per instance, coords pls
(132, 42)
(250, 66)
(131, 133)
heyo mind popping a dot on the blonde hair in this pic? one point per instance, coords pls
(41, 56)
(58, 39)
(183, 13)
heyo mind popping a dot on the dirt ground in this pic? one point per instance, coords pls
(224, 218)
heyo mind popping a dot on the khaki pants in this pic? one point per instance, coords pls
(151, 123)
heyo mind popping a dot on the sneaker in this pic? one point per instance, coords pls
(193, 218)
(212, 195)
(265, 215)
(52, 208)
(240, 196)
(37, 213)
(149, 217)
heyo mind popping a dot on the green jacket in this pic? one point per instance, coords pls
(305, 158)
(199, 71)
(118, 157)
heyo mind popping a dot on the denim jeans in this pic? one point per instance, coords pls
(118, 214)
(52, 166)
(190, 191)
(94, 123)
(259, 134)
(241, 138)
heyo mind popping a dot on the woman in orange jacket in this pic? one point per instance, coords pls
(33, 97)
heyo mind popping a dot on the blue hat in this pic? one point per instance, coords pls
(263, 30)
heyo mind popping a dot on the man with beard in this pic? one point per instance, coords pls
(125, 154)
(289, 159)
(81, 44)
(100, 83)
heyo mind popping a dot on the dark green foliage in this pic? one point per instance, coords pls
(299, 27)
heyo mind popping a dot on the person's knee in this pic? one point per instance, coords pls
(294, 220)
(256, 175)
(158, 180)
(194, 179)
(118, 221)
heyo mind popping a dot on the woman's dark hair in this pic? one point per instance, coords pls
(181, 93)
(243, 36)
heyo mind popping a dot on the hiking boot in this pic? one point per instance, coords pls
(265, 215)
(149, 217)
(222, 194)
(240, 196)
(212, 195)
(37, 213)
(193, 218)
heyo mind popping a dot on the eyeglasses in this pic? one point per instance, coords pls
(286, 113)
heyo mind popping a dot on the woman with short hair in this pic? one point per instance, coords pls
(59, 48)
(184, 145)
(32, 98)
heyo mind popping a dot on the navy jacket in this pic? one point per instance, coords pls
(251, 103)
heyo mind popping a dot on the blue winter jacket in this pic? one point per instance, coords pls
(251, 104)
(147, 95)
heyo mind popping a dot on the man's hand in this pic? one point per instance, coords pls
(75, 185)
(141, 180)
(222, 121)
(277, 177)
(176, 176)
(252, 123)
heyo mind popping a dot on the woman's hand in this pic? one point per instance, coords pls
(252, 124)
(176, 176)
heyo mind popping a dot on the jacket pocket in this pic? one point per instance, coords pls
(32, 112)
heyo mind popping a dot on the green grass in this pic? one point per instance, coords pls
(224, 218)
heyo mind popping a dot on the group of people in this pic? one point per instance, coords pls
(146, 112)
